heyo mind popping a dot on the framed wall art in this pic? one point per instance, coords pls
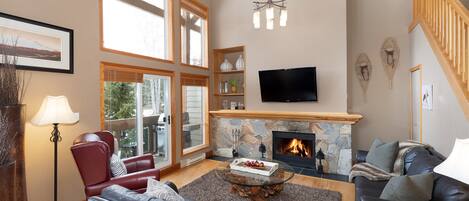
(37, 46)
(427, 97)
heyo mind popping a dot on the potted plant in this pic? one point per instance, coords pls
(12, 90)
(234, 85)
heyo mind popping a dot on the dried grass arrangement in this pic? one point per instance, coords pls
(12, 82)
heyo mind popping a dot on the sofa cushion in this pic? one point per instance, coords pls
(365, 187)
(383, 155)
(409, 188)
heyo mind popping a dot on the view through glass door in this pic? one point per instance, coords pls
(137, 111)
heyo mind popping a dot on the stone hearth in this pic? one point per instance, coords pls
(335, 139)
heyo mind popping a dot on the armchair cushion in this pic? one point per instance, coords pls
(118, 167)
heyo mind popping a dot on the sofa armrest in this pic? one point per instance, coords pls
(139, 163)
(96, 198)
(172, 186)
(361, 156)
(369, 198)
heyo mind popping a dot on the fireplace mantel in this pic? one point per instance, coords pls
(294, 116)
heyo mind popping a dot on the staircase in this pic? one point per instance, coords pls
(446, 26)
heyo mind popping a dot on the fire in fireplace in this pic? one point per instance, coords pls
(297, 149)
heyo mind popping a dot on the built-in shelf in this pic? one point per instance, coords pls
(230, 72)
(296, 116)
(230, 94)
(222, 78)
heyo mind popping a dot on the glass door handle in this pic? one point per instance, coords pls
(167, 119)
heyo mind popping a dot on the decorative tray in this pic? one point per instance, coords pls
(254, 166)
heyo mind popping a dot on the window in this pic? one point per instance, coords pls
(194, 45)
(194, 113)
(138, 27)
(137, 109)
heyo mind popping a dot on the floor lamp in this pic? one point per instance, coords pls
(55, 110)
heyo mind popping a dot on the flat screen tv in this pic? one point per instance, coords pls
(289, 85)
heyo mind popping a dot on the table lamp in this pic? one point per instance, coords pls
(55, 110)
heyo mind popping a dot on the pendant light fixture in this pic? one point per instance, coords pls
(270, 6)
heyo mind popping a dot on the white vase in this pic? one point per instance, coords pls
(240, 64)
(226, 66)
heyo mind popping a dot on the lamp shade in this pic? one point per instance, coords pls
(55, 109)
(456, 165)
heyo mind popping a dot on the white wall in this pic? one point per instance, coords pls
(385, 110)
(446, 121)
(315, 36)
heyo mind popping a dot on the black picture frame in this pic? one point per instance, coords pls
(67, 52)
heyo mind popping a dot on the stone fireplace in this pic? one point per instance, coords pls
(296, 149)
(334, 138)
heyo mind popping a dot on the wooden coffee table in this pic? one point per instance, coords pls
(256, 187)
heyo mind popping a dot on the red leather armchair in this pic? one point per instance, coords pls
(92, 153)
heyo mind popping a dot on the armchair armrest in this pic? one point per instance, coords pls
(361, 156)
(133, 181)
(369, 198)
(139, 163)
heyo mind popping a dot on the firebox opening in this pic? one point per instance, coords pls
(294, 148)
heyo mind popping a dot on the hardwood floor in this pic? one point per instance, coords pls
(186, 175)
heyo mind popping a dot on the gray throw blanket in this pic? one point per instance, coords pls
(374, 173)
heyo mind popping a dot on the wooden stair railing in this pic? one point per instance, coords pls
(446, 26)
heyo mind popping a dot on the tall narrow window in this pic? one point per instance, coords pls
(137, 109)
(139, 27)
(194, 29)
(194, 113)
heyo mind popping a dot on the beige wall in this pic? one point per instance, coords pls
(82, 89)
(315, 36)
(446, 121)
(386, 110)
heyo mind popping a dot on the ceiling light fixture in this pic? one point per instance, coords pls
(269, 6)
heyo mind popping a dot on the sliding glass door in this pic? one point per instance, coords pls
(137, 110)
(156, 107)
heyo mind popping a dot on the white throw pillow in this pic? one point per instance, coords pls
(456, 165)
(117, 166)
(162, 191)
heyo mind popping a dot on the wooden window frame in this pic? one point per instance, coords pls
(205, 147)
(202, 11)
(170, 33)
(137, 69)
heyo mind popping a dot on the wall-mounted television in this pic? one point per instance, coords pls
(289, 85)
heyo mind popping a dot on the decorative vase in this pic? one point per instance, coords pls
(226, 66)
(240, 64)
(7, 181)
(234, 89)
(13, 125)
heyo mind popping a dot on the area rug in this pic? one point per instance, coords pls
(211, 188)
